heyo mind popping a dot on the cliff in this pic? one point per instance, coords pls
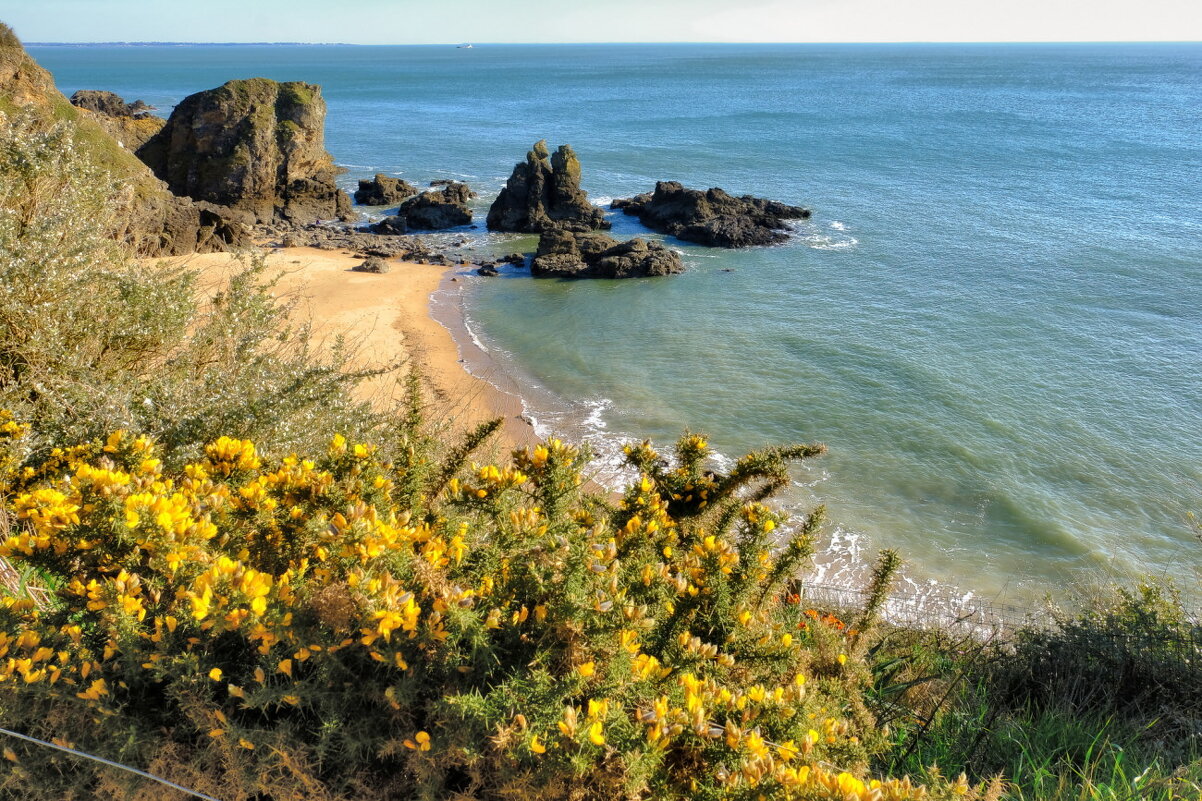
(158, 222)
(254, 145)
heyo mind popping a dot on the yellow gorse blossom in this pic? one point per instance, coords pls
(293, 583)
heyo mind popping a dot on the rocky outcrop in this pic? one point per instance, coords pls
(131, 124)
(432, 210)
(544, 191)
(108, 104)
(156, 222)
(360, 243)
(565, 253)
(383, 191)
(713, 217)
(254, 145)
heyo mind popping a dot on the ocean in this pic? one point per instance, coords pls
(992, 318)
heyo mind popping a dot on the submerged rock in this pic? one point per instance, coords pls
(566, 253)
(383, 191)
(713, 217)
(255, 145)
(543, 192)
(432, 210)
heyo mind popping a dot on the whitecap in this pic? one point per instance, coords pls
(823, 242)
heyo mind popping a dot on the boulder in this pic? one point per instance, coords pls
(373, 264)
(383, 191)
(543, 192)
(255, 145)
(432, 210)
(488, 271)
(448, 182)
(565, 253)
(713, 217)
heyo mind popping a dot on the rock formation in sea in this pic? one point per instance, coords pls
(108, 104)
(156, 222)
(432, 210)
(567, 253)
(383, 191)
(131, 124)
(543, 191)
(713, 217)
(255, 145)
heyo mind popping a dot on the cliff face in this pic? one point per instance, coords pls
(254, 145)
(158, 222)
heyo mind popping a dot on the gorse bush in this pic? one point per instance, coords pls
(301, 628)
(220, 567)
(92, 340)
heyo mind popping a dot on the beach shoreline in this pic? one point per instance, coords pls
(411, 315)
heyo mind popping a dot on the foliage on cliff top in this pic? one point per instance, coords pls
(345, 626)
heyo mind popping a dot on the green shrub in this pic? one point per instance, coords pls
(92, 340)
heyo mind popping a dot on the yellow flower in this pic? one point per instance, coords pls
(420, 742)
(201, 603)
(536, 746)
(595, 735)
(215, 674)
(587, 669)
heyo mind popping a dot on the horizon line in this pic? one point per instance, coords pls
(152, 43)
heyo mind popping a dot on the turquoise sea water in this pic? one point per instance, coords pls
(992, 318)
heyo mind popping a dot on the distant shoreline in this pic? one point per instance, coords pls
(1038, 43)
(193, 44)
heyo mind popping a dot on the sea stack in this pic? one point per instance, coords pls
(255, 145)
(543, 191)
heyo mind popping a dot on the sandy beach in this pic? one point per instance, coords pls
(389, 321)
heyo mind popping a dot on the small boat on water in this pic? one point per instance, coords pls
(464, 47)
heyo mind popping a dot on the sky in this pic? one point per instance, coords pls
(548, 21)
